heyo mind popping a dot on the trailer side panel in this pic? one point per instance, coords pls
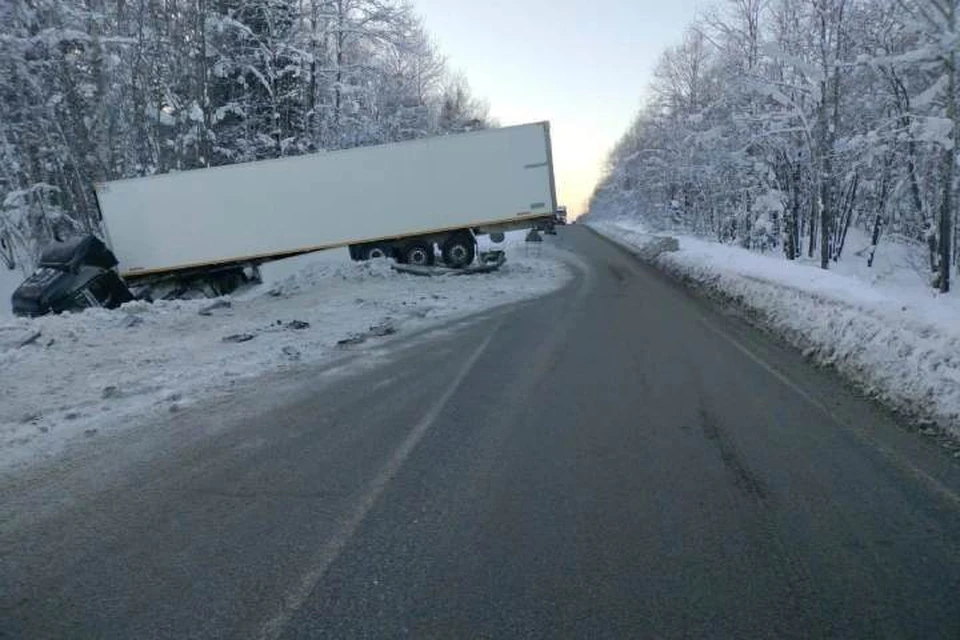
(275, 207)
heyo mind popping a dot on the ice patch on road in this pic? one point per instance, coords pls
(73, 378)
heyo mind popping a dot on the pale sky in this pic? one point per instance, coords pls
(584, 65)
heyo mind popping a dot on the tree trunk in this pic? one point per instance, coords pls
(793, 225)
(846, 217)
(881, 210)
(338, 80)
(948, 163)
(825, 215)
(204, 148)
(311, 101)
(932, 247)
(875, 238)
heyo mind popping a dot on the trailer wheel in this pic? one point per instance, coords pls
(419, 254)
(375, 251)
(459, 251)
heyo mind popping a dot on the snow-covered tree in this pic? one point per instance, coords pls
(785, 123)
(94, 90)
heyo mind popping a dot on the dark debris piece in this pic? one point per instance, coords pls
(239, 337)
(219, 304)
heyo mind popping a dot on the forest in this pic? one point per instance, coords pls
(779, 125)
(97, 90)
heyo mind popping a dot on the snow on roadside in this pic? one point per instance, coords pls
(900, 343)
(75, 377)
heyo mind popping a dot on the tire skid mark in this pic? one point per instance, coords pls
(744, 479)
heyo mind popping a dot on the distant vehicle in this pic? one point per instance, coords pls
(549, 226)
(409, 201)
(561, 215)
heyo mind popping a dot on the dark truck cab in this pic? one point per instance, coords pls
(72, 276)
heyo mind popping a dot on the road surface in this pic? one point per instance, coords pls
(614, 460)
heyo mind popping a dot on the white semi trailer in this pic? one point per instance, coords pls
(407, 200)
(395, 199)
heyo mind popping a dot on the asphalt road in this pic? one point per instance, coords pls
(617, 460)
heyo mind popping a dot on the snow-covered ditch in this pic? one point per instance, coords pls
(882, 327)
(74, 378)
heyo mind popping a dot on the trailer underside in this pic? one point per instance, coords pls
(457, 249)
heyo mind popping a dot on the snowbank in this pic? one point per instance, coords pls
(884, 328)
(76, 377)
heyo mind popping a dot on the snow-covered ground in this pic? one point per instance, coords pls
(73, 378)
(883, 327)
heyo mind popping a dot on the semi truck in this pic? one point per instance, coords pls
(417, 202)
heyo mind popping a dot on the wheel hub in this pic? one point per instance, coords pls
(418, 257)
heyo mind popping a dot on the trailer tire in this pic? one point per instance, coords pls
(459, 250)
(419, 254)
(374, 251)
